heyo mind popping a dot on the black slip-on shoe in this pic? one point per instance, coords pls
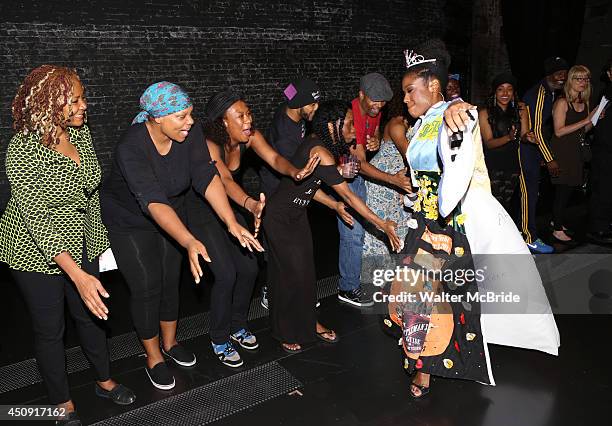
(160, 376)
(181, 356)
(120, 394)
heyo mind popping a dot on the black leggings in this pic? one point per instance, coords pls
(235, 271)
(151, 265)
(45, 296)
(562, 196)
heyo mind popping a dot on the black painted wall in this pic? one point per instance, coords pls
(120, 47)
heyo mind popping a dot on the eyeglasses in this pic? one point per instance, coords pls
(582, 79)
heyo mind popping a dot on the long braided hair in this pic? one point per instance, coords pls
(334, 112)
(40, 100)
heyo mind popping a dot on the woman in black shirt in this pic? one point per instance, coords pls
(229, 133)
(504, 123)
(156, 162)
(291, 268)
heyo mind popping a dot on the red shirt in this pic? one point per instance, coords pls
(364, 124)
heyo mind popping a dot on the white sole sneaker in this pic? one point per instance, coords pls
(157, 385)
(249, 348)
(352, 302)
(181, 363)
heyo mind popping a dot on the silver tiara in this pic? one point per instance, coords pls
(413, 59)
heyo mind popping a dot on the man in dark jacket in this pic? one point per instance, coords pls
(539, 100)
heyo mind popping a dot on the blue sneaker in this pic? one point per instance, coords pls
(227, 354)
(539, 246)
(245, 339)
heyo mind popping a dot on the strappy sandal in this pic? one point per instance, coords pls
(424, 391)
(326, 339)
(289, 350)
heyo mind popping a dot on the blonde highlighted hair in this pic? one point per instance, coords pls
(585, 96)
(40, 100)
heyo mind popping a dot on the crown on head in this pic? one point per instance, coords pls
(412, 58)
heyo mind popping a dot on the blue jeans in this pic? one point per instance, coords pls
(351, 243)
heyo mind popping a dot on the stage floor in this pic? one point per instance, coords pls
(358, 381)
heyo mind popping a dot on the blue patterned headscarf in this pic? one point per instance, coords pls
(160, 99)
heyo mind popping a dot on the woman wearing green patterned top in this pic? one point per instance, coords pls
(51, 232)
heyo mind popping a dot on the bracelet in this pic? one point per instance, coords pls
(245, 201)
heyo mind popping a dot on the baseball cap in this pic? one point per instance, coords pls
(554, 64)
(302, 92)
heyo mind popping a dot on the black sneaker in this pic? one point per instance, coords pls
(181, 356)
(356, 298)
(160, 376)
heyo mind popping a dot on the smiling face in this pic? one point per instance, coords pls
(176, 126)
(370, 107)
(419, 94)
(504, 94)
(453, 89)
(74, 110)
(237, 121)
(557, 79)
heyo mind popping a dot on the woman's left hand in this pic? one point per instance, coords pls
(312, 164)
(389, 229)
(245, 238)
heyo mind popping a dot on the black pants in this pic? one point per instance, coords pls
(562, 196)
(45, 296)
(151, 265)
(600, 204)
(292, 281)
(235, 271)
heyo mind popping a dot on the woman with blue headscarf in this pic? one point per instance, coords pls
(159, 158)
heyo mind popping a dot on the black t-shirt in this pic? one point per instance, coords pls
(284, 135)
(140, 176)
(292, 194)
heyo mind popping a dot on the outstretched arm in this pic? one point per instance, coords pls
(278, 162)
(321, 197)
(357, 203)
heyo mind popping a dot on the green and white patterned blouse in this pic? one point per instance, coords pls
(54, 204)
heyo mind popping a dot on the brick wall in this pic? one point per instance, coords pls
(121, 46)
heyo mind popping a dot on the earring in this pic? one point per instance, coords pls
(443, 100)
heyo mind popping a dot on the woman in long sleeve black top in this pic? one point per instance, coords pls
(158, 160)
